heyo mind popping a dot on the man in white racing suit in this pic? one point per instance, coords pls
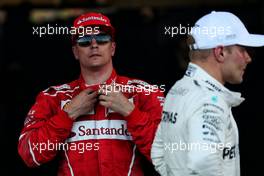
(198, 134)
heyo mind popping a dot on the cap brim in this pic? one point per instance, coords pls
(253, 40)
(103, 28)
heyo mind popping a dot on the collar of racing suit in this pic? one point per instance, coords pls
(95, 87)
(206, 80)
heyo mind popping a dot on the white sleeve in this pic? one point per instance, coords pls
(206, 136)
(157, 153)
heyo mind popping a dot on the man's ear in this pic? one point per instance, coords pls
(219, 53)
(75, 52)
(113, 48)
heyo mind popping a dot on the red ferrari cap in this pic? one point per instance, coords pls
(94, 19)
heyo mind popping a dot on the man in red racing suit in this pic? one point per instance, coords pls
(98, 128)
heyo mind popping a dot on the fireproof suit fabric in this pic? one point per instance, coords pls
(100, 143)
(198, 134)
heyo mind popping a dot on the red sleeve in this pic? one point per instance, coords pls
(143, 121)
(45, 127)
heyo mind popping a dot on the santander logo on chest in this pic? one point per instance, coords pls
(99, 129)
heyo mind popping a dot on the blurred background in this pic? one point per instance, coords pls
(30, 63)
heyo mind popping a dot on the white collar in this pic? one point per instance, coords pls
(205, 80)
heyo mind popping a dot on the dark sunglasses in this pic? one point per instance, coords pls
(87, 39)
